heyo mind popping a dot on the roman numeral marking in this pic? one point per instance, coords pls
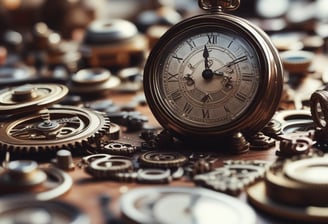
(187, 108)
(212, 39)
(206, 113)
(191, 43)
(175, 56)
(172, 77)
(241, 97)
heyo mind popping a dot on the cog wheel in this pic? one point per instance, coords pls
(52, 129)
(30, 97)
(162, 159)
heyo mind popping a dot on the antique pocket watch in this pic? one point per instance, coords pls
(213, 75)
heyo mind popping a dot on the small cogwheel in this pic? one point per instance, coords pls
(119, 148)
(162, 159)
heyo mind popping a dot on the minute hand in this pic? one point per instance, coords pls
(233, 62)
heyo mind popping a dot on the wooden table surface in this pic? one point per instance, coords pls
(86, 191)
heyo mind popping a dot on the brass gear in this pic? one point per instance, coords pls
(52, 129)
(162, 159)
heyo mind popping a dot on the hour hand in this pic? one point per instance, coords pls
(206, 55)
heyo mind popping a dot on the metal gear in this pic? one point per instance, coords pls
(162, 159)
(52, 129)
(30, 97)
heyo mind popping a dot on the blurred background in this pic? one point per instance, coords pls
(68, 16)
(48, 35)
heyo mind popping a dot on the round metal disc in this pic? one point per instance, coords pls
(312, 214)
(30, 97)
(41, 212)
(183, 205)
(309, 171)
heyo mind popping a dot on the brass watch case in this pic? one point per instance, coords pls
(260, 110)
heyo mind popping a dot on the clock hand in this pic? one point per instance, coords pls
(207, 73)
(206, 55)
(218, 71)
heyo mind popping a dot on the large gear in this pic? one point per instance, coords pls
(53, 129)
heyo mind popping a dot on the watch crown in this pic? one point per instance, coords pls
(219, 5)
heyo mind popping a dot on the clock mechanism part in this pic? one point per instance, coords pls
(30, 97)
(297, 62)
(124, 169)
(213, 75)
(319, 112)
(292, 121)
(162, 159)
(182, 205)
(113, 43)
(93, 80)
(43, 212)
(53, 129)
(26, 180)
(233, 177)
(294, 189)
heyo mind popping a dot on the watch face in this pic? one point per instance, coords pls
(207, 76)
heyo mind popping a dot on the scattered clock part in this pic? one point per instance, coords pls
(162, 159)
(272, 129)
(297, 62)
(30, 97)
(113, 43)
(232, 178)
(292, 145)
(294, 189)
(294, 121)
(20, 176)
(43, 133)
(319, 112)
(105, 166)
(42, 212)
(119, 148)
(25, 180)
(93, 80)
(154, 176)
(64, 160)
(259, 141)
(183, 205)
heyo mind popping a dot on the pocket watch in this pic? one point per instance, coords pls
(213, 75)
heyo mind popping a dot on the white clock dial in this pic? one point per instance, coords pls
(210, 78)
